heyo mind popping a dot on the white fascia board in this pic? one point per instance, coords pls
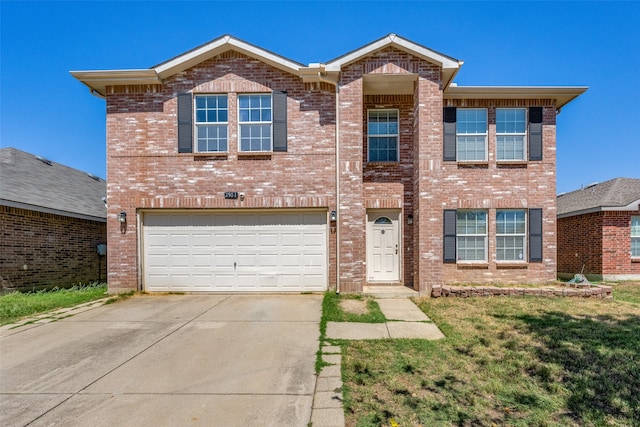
(98, 80)
(562, 94)
(631, 207)
(43, 209)
(218, 46)
(393, 40)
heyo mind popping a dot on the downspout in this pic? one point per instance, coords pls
(335, 84)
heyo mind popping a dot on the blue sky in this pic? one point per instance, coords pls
(45, 111)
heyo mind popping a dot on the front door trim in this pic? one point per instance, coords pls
(384, 245)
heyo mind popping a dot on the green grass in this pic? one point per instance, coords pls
(331, 309)
(627, 291)
(331, 312)
(505, 361)
(17, 305)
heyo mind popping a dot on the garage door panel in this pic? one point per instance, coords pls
(317, 240)
(223, 239)
(208, 251)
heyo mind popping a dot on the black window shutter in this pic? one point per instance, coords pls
(535, 235)
(535, 133)
(449, 114)
(185, 126)
(449, 241)
(279, 121)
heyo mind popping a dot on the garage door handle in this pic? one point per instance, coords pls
(234, 265)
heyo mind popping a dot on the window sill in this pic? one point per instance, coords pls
(512, 163)
(254, 154)
(382, 164)
(472, 266)
(512, 265)
(206, 156)
(473, 165)
(635, 260)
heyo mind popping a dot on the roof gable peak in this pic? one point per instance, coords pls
(220, 45)
(394, 40)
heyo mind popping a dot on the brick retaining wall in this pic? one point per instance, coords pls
(560, 290)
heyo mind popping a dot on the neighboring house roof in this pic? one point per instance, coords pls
(619, 194)
(378, 83)
(34, 183)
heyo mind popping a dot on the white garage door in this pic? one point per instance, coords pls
(233, 251)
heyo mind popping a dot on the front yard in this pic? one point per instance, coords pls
(521, 361)
(18, 305)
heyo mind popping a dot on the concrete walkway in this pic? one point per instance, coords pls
(405, 320)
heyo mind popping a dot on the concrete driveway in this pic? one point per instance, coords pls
(166, 360)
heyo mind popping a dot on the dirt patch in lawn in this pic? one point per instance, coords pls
(354, 306)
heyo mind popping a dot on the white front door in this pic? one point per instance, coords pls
(383, 246)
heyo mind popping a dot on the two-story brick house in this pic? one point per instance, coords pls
(235, 169)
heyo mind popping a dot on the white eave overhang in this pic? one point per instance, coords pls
(633, 206)
(98, 80)
(562, 94)
(44, 209)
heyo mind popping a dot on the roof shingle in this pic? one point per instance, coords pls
(615, 193)
(33, 183)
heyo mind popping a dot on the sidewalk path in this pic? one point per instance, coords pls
(405, 320)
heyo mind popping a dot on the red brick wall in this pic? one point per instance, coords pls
(492, 186)
(601, 241)
(56, 250)
(145, 170)
(616, 244)
(400, 173)
(580, 243)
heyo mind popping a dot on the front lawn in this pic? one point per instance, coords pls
(17, 305)
(523, 361)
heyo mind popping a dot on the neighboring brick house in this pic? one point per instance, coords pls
(52, 219)
(224, 159)
(599, 231)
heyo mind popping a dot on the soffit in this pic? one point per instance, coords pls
(562, 94)
(98, 80)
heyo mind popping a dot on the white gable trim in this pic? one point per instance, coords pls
(218, 46)
(394, 40)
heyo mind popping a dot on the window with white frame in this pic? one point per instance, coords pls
(511, 233)
(635, 236)
(471, 134)
(254, 120)
(382, 134)
(471, 232)
(511, 133)
(211, 123)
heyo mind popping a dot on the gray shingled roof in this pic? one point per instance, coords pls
(608, 195)
(29, 183)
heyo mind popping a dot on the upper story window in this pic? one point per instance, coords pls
(471, 134)
(211, 123)
(510, 133)
(471, 232)
(635, 236)
(255, 122)
(511, 231)
(383, 134)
